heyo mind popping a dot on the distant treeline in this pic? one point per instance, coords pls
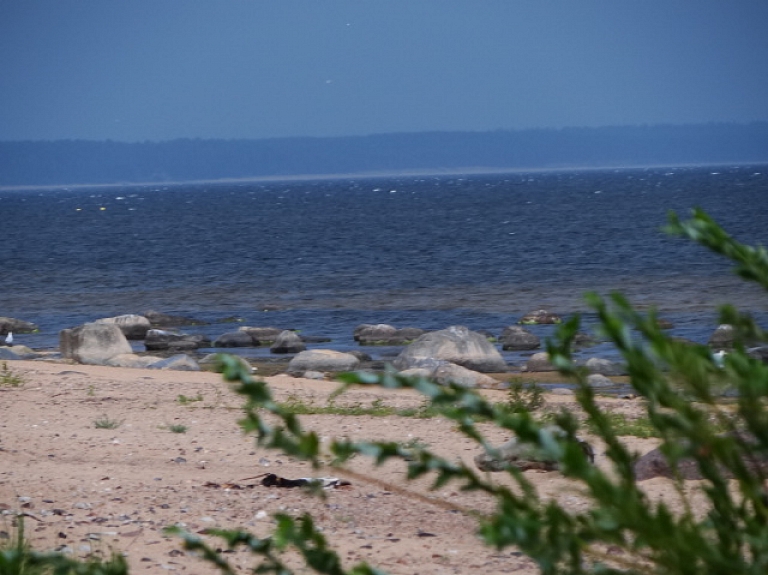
(102, 162)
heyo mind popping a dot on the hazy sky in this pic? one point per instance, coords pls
(137, 70)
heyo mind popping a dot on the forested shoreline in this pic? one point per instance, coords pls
(61, 162)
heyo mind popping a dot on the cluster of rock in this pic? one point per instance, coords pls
(384, 334)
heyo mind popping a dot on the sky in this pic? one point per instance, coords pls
(137, 70)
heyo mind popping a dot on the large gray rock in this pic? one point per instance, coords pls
(288, 342)
(322, 360)
(93, 343)
(525, 456)
(458, 345)
(16, 326)
(516, 338)
(133, 326)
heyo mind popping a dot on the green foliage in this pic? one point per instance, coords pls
(107, 423)
(184, 400)
(524, 396)
(622, 530)
(9, 378)
(18, 558)
(177, 428)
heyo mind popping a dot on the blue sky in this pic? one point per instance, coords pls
(139, 70)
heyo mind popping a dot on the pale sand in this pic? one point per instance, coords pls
(115, 489)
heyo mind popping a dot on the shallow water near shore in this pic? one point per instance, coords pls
(427, 252)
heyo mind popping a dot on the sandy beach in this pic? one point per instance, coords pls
(175, 455)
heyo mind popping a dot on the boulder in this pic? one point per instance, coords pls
(234, 339)
(515, 338)
(723, 337)
(262, 335)
(456, 344)
(16, 326)
(367, 334)
(584, 340)
(288, 342)
(384, 334)
(539, 362)
(180, 362)
(452, 373)
(599, 380)
(160, 339)
(133, 326)
(93, 343)
(158, 319)
(540, 316)
(605, 367)
(322, 360)
(525, 456)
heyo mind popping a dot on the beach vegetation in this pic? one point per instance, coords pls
(184, 400)
(8, 378)
(18, 558)
(524, 396)
(107, 423)
(177, 428)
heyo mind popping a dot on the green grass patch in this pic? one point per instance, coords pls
(9, 378)
(107, 423)
(376, 408)
(184, 400)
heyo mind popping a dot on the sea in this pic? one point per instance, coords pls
(324, 255)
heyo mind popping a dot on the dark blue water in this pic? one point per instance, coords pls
(428, 252)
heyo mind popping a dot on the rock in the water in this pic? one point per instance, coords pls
(525, 456)
(181, 362)
(458, 345)
(161, 339)
(515, 338)
(158, 319)
(384, 334)
(262, 335)
(16, 326)
(288, 342)
(93, 343)
(133, 326)
(605, 367)
(599, 380)
(234, 339)
(211, 363)
(539, 362)
(723, 337)
(322, 360)
(540, 316)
